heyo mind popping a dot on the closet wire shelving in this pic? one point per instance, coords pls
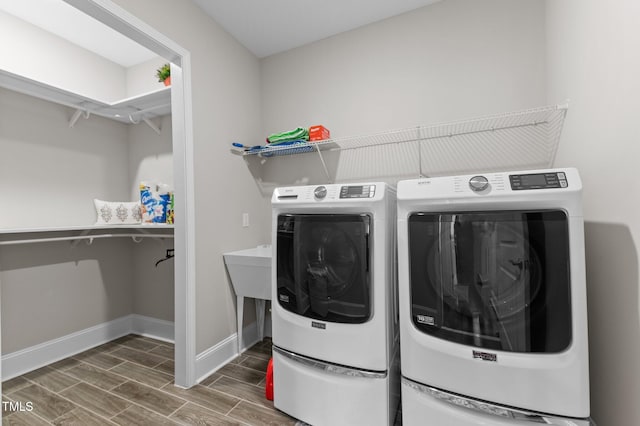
(75, 234)
(520, 140)
(132, 110)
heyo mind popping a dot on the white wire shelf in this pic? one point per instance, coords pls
(518, 140)
(279, 150)
(131, 110)
(15, 236)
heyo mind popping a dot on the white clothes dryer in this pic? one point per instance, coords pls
(334, 312)
(492, 296)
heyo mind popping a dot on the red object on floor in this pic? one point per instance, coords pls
(268, 387)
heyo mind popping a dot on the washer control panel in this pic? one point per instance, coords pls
(478, 183)
(358, 191)
(538, 181)
(320, 192)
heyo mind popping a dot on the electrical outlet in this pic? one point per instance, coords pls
(245, 220)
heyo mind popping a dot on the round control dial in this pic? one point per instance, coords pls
(320, 192)
(478, 183)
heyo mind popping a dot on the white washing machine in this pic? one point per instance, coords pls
(334, 309)
(492, 296)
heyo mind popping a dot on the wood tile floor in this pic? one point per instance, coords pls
(129, 381)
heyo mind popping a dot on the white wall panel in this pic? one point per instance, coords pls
(593, 60)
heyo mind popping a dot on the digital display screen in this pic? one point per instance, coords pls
(533, 180)
(354, 190)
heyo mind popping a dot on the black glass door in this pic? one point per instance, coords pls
(323, 266)
(494, 280)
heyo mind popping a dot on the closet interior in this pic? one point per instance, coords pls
(76, 127)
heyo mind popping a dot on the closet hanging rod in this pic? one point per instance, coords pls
(82, 237)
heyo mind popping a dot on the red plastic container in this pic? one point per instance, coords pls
(268, 387)
(318, 133)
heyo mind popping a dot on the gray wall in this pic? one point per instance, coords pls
(152, 291)
(49, 175)
(42, 158)
(453, 60)
(108, 160)
(149, 158)
(593, 60)
(51, 290)
(226, 108)
(142, 78)
(448, 61)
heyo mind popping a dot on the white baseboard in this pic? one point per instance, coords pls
(214, 358)
(34, 357)
(152, 327)
(31, 358)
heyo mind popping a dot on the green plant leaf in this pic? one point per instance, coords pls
(163, 72)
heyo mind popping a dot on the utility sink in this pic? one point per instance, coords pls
(250, 273)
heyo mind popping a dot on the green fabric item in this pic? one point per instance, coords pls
(298, 133)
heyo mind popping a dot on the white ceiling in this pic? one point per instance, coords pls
(67, 22)
(267, 27)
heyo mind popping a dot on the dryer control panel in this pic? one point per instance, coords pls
(538, 181)
(333, 193)
(358, 191)
(526, 183)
